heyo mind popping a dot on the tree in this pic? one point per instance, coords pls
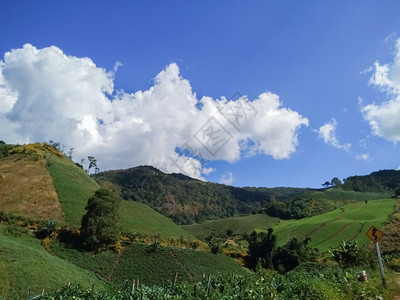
(336, 182)
(99, 225)
(293, 254)
(326, 184)
(93, 164)
(261, 249)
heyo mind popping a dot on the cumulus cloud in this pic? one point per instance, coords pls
(227, 178)
(383, 117)
(328, 133)
(46, 94)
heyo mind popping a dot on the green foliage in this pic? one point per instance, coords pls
(348, 254)
(259, 285)
(261, 249)
(187, 200)
(46, 228)
(293, 254)
(5, 149)
(100, 223)
(381, 181)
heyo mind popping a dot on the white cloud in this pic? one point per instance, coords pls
(384, 118)
(363, 156)
(227, 178)
(328, 133)
(46, 94)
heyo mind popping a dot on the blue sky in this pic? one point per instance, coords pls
(316, 85)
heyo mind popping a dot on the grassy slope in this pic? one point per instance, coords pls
(347, 223)
(137, 262)
(238, 225)
(73, 187)
(24, 263)
(337, 194)
(138, 217)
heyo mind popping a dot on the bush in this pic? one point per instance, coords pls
(350, 255)
(46, 228)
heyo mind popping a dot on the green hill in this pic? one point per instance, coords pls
(24, 263)
(150, 265)
(237, 225)
(349, 222)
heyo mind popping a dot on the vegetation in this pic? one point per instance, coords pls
(152, 250)
(349, 222)
(186, 200)
(261, 285)
(100, 223)
(232, 225)
(24, 263)
(73, 186)
(140, 218)
(381, 181)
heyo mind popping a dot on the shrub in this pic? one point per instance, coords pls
(46, 228)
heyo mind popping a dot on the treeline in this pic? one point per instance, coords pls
(187, 200)
(381, 181)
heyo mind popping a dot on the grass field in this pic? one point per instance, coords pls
(339, 195)
(349, 222)
(73, 186)
(140, 218)
(238, 225)
(24, 263)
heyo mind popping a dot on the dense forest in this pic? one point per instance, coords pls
(381, 181)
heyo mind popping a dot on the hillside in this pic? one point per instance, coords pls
(24, 263)
(186, 200)
(380, 181)
(349, 222)
(38, 183)
(236, 225)
(26, 185)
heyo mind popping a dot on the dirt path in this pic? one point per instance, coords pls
(114, 267)
(178, 261)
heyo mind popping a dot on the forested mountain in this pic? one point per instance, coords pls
(188, 200)
(380, 181)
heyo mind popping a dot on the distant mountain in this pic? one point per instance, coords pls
(187, 200)
(380, 181)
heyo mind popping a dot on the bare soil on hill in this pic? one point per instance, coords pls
(26, 188)
(390, 240)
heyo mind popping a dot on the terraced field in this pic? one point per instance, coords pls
(238, 225)
(349, 222)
